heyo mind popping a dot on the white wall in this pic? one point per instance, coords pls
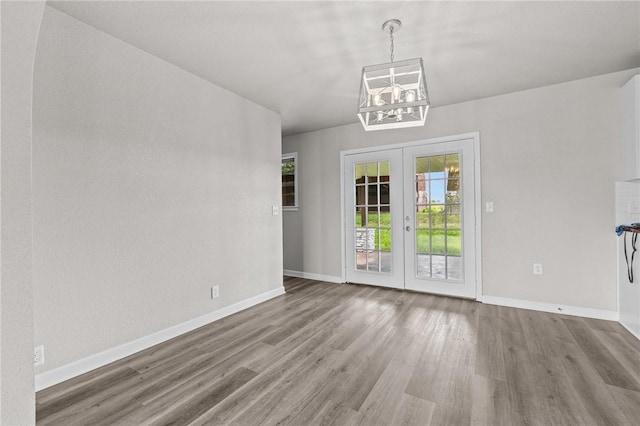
(548, 159)
(149, 186)
(19, 32)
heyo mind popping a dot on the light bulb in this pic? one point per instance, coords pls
(396, 92)
(410, 97)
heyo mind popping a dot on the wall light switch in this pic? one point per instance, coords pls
(489, 207)
(275, 210)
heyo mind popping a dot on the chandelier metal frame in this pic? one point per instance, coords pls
(394, 94)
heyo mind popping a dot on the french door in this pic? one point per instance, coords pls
(373, 200)
(410, 218)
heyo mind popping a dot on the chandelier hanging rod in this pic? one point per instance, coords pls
(393, 25)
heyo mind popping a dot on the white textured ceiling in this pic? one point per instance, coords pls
(303, 59)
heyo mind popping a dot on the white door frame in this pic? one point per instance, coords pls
(475, 136)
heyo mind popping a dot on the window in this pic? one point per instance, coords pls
(290, 181)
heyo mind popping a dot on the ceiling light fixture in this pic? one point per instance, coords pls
(393, 95)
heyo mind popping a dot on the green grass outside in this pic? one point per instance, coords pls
(423, 236)
(438, 218)
(438, 242)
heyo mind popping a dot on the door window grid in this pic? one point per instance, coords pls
(438, 227)
(372, 217)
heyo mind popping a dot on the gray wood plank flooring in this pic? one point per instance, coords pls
(332, 354)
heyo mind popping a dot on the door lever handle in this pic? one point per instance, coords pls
(408, 228)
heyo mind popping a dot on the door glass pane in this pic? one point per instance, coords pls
(359, 173)
(385, 261)
(452, 162)
(453, 268)
(437, 215)
(422, 217)
(384, 193)
(423, 263)
(438, 266)
(436, 166)
(385, 239)
(360, 216)
(372, 172)
(423, 241)
(372, 193)
(453, 216)
(422, 192)
(372, 261)
(437, 191)
(385, 229)
(361, 260)
(422, 165)
(383, 219)
(453, 193)
(438, 241)
(362, 242)
(438, 233)
(383, 171)
(372, 217)
(360, 195)
(453, 242)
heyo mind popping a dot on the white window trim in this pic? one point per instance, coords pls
(296, 183)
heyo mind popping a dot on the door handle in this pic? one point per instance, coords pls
(408, 228)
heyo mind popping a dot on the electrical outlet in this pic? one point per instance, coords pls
(537, 268)
(38, 355)
(489, 207)
(275, 210)
(215, 291)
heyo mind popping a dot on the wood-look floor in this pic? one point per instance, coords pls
(327, 354)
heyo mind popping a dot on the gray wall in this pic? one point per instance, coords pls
(149, 186)
(20, 26)
(548, 159)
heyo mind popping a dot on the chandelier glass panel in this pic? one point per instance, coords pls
(393, 95)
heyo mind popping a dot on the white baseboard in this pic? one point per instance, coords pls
(577, 311)
(635, 334)
(551, 307)
(310, 276)
(66, 372)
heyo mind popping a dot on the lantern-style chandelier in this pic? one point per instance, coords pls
(393, 95)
